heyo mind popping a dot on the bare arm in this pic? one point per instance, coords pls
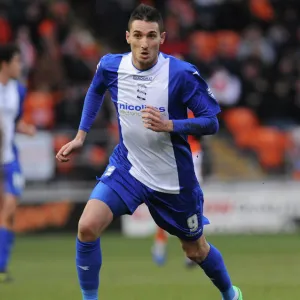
(25, 128)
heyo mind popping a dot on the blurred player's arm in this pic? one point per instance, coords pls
(25, 128)
(22, 126)
(92, 104)
(199, 99)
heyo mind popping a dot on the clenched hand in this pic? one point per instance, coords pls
(153, 120)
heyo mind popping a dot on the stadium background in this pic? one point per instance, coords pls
(249, 53)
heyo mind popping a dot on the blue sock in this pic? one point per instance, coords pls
(88, 263)
(6, 243)
(215, 269)
(11, 240)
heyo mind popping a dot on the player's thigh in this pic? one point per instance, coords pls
(9, 206)
(104, 204)
(131, 192)
(181, 215)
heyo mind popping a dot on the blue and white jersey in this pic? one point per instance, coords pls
(162, 161)
(12, 96)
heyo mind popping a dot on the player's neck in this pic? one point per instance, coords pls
(144, 67)
(4, 78)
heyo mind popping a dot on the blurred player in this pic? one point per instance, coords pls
(152, 162)
(159, 249)
(12, 95)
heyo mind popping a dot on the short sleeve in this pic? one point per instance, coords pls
(197, 96)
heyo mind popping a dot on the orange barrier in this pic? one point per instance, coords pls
(33, 218)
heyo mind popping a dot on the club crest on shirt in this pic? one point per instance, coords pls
(141, 92)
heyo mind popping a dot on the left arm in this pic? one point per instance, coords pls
(21, 125)
(199, 99)
(25, 128)
(196, 126)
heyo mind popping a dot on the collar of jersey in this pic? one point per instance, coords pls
(141, 71)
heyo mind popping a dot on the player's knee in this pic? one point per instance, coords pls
(5, 217)
(87, 230)
(197, 251)
(8, 211)
(94, 220)
(196, 255)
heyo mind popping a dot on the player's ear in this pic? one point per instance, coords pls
(163, 37)
(128, 37)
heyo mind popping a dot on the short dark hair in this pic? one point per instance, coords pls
(147, 13)
(7, 52)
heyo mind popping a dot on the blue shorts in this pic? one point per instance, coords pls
(179, 214)
(13, 179)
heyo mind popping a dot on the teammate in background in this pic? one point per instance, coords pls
(153, 162)
(12, 94)
(159, 249)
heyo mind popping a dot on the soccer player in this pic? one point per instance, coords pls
(12, 94)
(152, 162)
(159, 248)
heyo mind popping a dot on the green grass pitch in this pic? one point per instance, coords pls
(264, 267)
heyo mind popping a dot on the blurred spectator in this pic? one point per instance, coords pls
(5, 29)
(28, 52)
(255, 86)
(248, 51)
(255, 45)
(225, 87)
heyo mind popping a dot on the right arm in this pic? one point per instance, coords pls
(91, 107)
(94, 98)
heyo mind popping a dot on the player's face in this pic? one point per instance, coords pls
(14, 66)
(144, 39)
